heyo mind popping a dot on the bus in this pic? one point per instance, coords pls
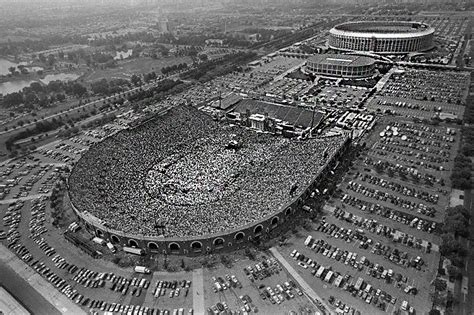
(135, 251)
(320, 271)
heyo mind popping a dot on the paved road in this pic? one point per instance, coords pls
(304, 285)
(38, 295)
(23, 292)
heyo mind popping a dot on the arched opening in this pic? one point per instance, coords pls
(152, 246)
(174, 247)
(288, 211)
(115, 239)
(196, 247)
(99, 233)
(239, 237)
(275, 222)
(258, 229)
(219, 242)
(132, 243)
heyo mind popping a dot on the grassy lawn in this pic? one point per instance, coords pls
(127, 68)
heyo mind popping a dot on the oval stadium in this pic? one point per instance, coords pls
(382, 37)
(183, 183)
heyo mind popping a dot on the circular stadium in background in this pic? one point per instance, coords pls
(382, 37)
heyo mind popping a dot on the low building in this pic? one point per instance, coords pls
(338, 65)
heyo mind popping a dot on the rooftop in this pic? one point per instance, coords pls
(341, 60)
(298, 117)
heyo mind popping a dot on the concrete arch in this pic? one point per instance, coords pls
(196, 246)
(258, 229)
(174, 247)
(288, 211)
(275, 221)
(218, 242)
(114, 239)
(99, 233)
(152, 246)
(132, 243)
(239, 236)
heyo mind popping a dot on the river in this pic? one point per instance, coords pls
(15, 86)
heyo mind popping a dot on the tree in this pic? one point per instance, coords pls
(434, 312)
(51, 60)
(78, 89)
(135, 80)
(12, 70)
(439, 284)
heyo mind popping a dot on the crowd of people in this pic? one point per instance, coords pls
(184, 174)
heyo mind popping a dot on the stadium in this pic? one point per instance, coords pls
(183, 183)
(338, 65)
(382, 37)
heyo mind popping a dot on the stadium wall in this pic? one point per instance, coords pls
(381, 43)
(261, 230)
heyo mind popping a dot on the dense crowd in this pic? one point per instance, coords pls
(184, 174)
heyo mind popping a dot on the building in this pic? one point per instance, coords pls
(383, 37)
(346, 66)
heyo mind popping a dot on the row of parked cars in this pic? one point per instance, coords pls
(393, 254)
(280, 292)
(175, 288)
(128, 309)
(363, 205)
(226, 282)
(399, 188)
(265, 268)
(407, 172)
(344, 282)
(388, 197)
(223, 308)
(374, 227)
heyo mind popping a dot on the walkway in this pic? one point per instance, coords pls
(198, 292)
(303, 284)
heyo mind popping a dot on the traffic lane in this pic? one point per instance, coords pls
(24, 293)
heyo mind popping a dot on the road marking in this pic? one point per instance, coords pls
(304, 285)
(198, 291)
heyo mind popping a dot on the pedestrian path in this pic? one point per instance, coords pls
(198, 292)
(303, 284)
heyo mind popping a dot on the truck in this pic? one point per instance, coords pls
(135, 251)
(99, 240)
(142, 269)
(329, 276)
(320, 272)
(338, 281)
(308, 240)
(359, 283)
(111, 247)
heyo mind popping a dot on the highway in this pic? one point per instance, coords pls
(34, 302)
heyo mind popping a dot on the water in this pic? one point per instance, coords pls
(123, 54)
(15, 86)
(4, 65)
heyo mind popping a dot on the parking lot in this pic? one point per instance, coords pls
(261, 286)
(376, 248)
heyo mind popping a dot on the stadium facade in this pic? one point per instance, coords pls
(346, 66)
(239, 238)
(382, 37)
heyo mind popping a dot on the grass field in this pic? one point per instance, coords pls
(127, 68)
